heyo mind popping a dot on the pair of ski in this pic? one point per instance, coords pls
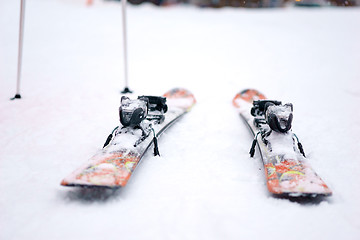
(287, 171)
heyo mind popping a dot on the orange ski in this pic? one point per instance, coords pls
(287, 171)
(113, 165)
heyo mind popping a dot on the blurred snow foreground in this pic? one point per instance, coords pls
(204, 185)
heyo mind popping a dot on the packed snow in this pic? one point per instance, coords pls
(204, 185)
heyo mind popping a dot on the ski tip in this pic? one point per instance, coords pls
(247, 95)
(179, 93)
(183, 96)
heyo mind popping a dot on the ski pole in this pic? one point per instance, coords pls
(126, 89)
(21, 38)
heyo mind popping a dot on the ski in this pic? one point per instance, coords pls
(142, 121)
(287, 171)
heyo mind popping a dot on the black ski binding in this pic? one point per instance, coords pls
(156, 106)
(277, 116)
(271, 115)
(132, 112)
(259, 107)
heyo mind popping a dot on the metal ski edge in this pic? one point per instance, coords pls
(158, 135)
(92, 186)
(295, 195)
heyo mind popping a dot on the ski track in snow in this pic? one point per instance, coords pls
(204, 185)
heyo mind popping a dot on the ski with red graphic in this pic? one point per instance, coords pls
(142, 121)
(287, 171)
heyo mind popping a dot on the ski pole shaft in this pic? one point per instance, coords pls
(21, 38)
(123, 3)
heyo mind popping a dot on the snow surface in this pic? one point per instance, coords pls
(204, 185)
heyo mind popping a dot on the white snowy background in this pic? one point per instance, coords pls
(204, 185)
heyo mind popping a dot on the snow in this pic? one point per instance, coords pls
(282, 143)
(204, 185)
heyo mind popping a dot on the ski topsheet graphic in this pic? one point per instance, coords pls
(287, 171)
(142, 122)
